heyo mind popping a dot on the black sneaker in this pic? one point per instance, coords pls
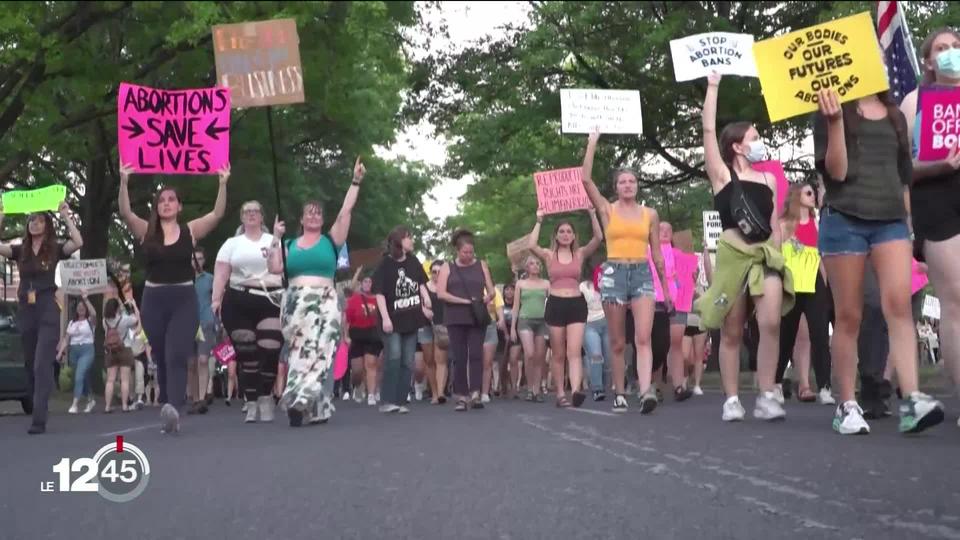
(295, 416)
(598, 395)
(648, 402)
(209, 400)
(787, 386)
(682, 394)
(36, 429)
(578, 399)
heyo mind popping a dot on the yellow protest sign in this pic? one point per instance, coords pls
(27, 201)
(804, 264)
(842, 55)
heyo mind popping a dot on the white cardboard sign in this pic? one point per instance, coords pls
(79, 275)
(711, 229)
(612, 111)
(726, 53)
(931, 307)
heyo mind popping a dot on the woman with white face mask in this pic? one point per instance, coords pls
(936, 194)
(748, 257)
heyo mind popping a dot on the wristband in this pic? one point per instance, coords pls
(355, 183)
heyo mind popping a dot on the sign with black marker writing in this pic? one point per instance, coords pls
(712, 229)
(610, 111)
(79, 275)
(841, 55)
(725, 53)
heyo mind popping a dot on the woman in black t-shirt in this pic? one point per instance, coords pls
(38, 314)
(404, 304)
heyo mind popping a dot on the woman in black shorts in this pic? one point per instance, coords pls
(566, 311)
(363, 338)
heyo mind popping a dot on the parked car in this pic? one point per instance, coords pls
(13, 373)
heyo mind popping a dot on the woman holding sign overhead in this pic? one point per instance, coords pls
(38, 314)
(748, 257)
(862, 150)
(566, 308)
(626, 279)
(169, 312)
(936, 192)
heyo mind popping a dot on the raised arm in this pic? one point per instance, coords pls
(204, 225)
(599, 202)
(717, 170)
(657, 255)
(341, 227)
(275, 260)
(91, 311)
(136, 224)
(835, 159)
(533, 239)
(588, 250)
(76, 241)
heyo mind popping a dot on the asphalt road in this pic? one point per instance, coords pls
(512, 471)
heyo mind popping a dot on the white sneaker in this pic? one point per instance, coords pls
(732, 410)
(697, 391)
(778, 394)
(377, 397)
(73, 408)
(251, 409)
(848, 420)
(418, 391)
(768, 408)
(90, 405)
(372, 400)
(403, 410)
(825, 398)
(389, 408)
(266, 406)
(346, 396)
(358, 397)
(485, 398)
(169, 419)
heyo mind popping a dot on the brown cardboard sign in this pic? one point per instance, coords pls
(259, 62)
(517, 251)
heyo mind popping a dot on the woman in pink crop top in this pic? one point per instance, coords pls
(566, 310)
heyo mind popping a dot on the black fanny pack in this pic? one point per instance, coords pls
(749, 220)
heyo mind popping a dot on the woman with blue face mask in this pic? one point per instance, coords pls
(936, 194)
(748, 257)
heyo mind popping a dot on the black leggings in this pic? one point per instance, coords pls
(466, 351)
(660, 342)
(39, 325)
(816, 307)
(242, 312)
(170, 320)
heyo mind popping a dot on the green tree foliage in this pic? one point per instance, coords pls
(499, 101)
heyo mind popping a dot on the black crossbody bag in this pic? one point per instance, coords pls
(751, 223)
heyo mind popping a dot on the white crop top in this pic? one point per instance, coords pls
(248, 261)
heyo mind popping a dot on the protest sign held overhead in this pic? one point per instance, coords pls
(841, 55)
(726, 53)
(259, 62)
(173, 131)
(517, 251)
(939, 122)
(610, 111)
(561, 191)
(712, 229)
(84, 276)
(27, 201)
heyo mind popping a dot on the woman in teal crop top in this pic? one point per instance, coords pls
(310, 314)
(529, 303)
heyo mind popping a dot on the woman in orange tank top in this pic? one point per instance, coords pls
(626, 280)
(566, 309)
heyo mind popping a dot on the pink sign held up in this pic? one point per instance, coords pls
(561, 191)
(173, 131)
(939, 123)
(775, 168)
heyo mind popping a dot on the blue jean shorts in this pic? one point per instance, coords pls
(490, 337)
(621, 283)
(841, 234)
(425, 335)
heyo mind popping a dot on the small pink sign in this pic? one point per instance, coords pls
(918, 278)
(173, 131)
(775, 168)
(224, 352)
(686, 265)
(939, 123)
(561, 191)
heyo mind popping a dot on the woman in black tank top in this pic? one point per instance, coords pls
(169, 312)
(738, 148)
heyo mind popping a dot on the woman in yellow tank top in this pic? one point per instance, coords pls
(626, 280)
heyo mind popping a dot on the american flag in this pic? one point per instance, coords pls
(897, 49)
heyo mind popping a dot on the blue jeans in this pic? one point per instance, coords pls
(398, 355)
(596, 343)
(81, 358)
(841, 234)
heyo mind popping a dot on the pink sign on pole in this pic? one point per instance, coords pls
(939, 123)
(775, 168)
(173, 131)
(561, 191)
(918, 278)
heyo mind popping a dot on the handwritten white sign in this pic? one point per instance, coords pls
(610, 111)
(711, 228)
(723, 52)
(931, 307)
(89, 276)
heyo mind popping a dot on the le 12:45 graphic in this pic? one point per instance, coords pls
(118, 472)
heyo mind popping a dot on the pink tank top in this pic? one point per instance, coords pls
(806, 233)
(564, 276)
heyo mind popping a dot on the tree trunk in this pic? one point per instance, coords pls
(94, 229)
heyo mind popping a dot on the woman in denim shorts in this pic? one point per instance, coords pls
(529, 306)
(626, 280)
(862, 150)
